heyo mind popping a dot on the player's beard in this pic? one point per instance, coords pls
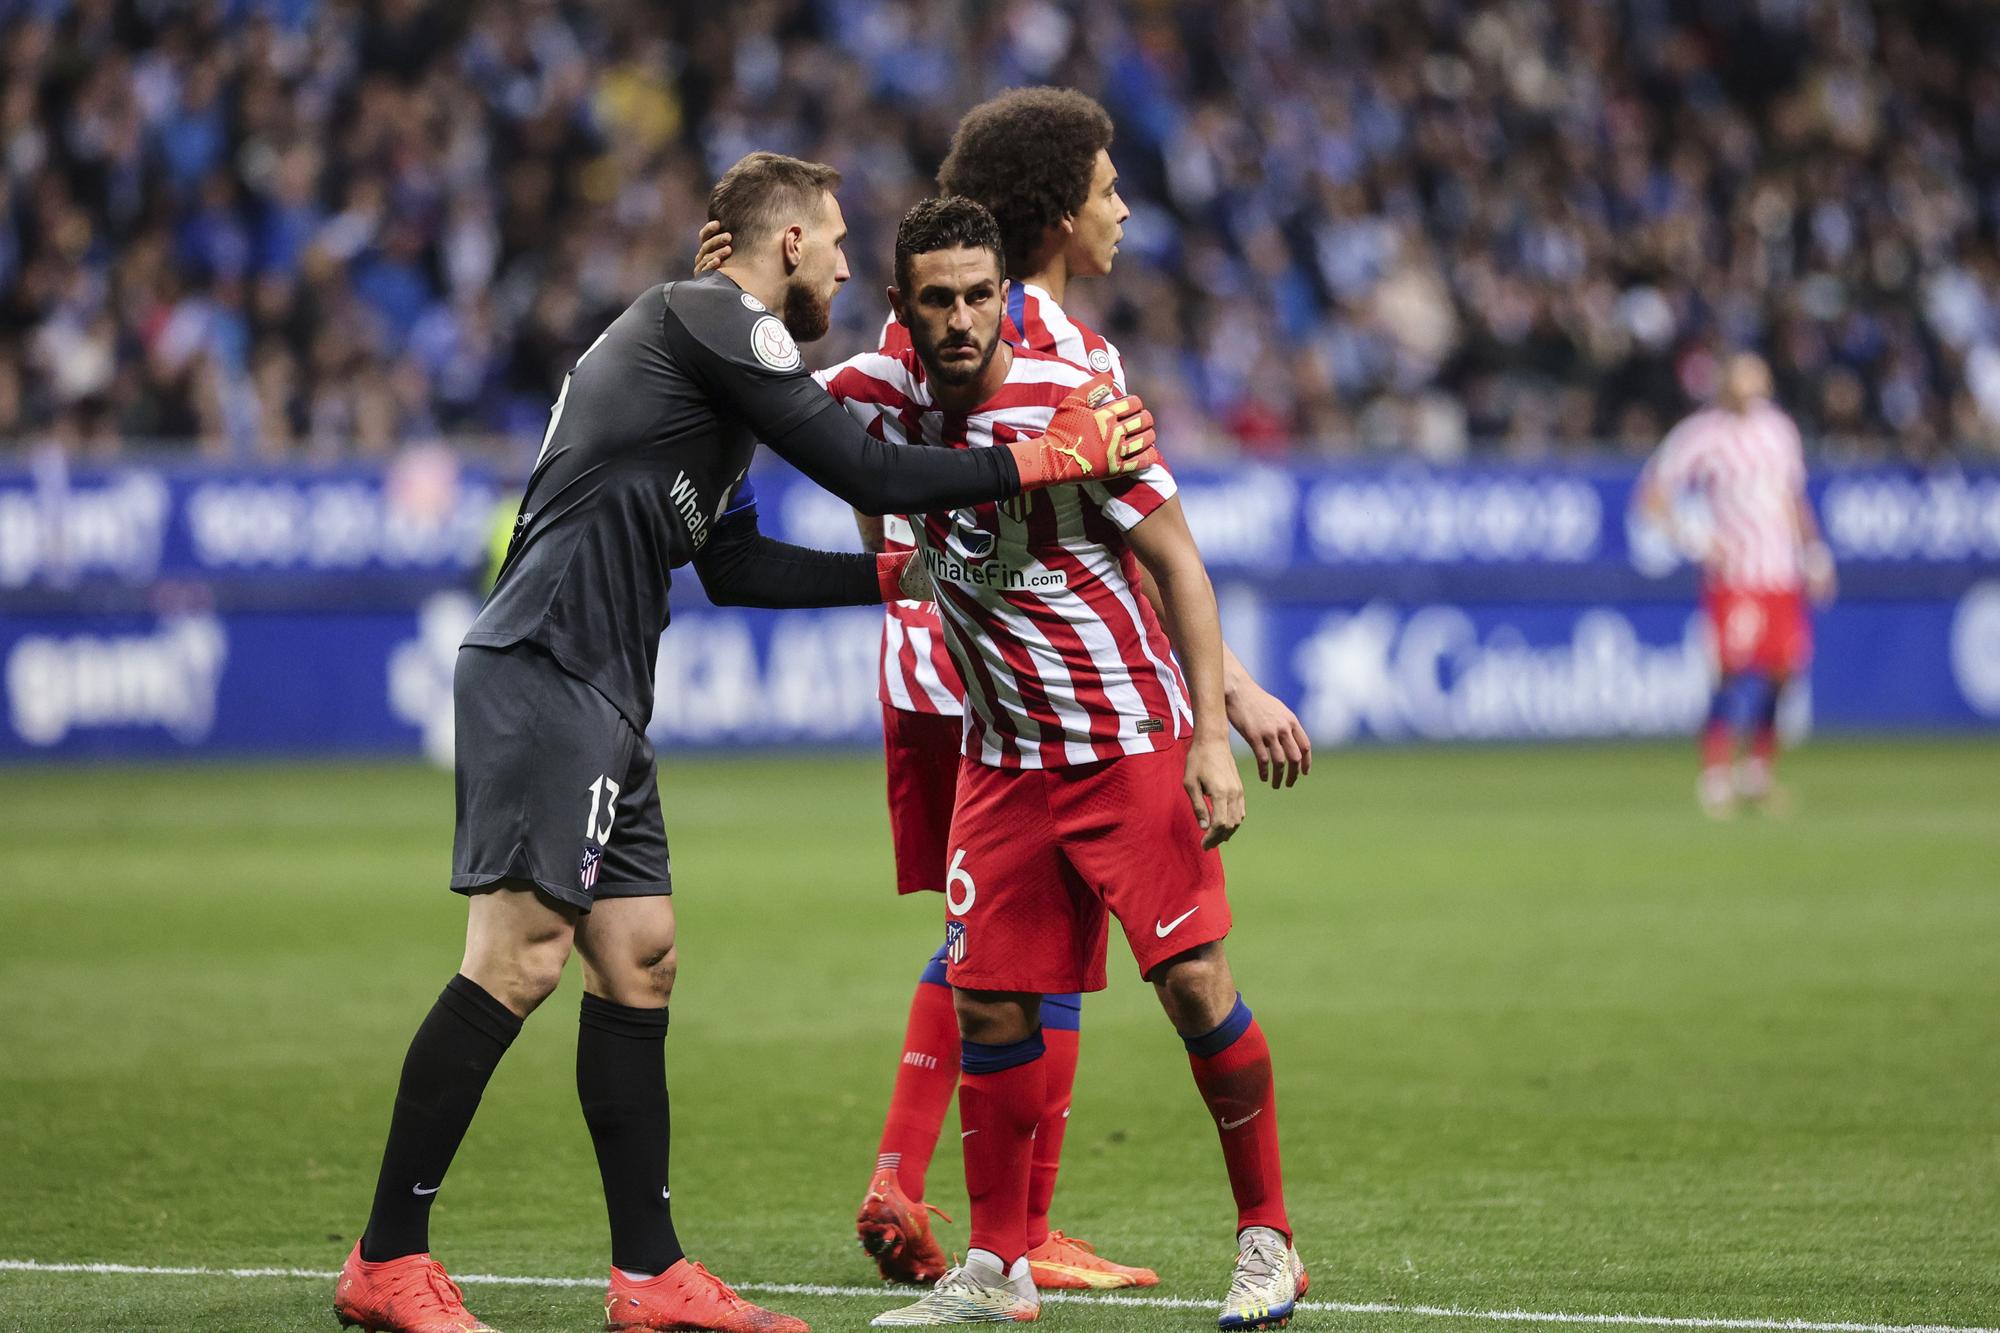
(807, 314)
(957, 373)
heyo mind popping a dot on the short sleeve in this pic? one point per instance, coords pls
(1673, 463)
(1127, 502)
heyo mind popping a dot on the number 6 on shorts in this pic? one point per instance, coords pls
(953, 878)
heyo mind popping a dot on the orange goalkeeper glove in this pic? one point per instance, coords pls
(1095, 435)
(901, 577)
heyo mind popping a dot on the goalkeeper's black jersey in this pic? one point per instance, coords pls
(647, 446)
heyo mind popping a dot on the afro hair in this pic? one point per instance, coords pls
(1028, 155)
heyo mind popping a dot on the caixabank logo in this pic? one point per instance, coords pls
(1436, 672)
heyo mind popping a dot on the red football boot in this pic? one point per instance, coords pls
(688, 1296)
(896, 1230)
(406, 1295)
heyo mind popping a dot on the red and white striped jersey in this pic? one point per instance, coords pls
(1749, 470)
(917, 671)
(1063, 660)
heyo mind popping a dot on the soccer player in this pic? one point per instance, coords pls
(1094, 776)
(641, 472)
(1761, 556)
(1039, 160)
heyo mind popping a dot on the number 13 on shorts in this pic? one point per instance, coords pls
(602, 792)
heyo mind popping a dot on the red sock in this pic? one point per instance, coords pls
(1061, 1062)
(1715, 745)
(997, 1114)
(924, 1083)
(1234, 1076)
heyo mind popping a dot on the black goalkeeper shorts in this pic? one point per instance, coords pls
(555, 787)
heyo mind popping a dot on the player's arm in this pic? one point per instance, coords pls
(1271, 730)
(747, 361)
(1187, 603)
(740, 566)
(1082, 443)
(1660, 484)
(1656, 503)
(1822, 583)
(871, 530)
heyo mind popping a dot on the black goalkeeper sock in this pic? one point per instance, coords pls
(454, 1053)
(621, 1079)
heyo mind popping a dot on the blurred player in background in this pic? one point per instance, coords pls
(1095, 780)
(641, 472)
(1754, 533)
(1039, 160)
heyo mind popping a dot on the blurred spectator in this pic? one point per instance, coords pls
(325, 227)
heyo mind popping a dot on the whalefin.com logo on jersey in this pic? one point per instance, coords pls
(946, 567)
(969, 557)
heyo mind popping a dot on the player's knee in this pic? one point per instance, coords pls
(638, 972)
(516, 945)
(653, 978)
(1196, 988)
(522, 976)
(996, 1017)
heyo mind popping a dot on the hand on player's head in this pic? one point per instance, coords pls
(714, 249)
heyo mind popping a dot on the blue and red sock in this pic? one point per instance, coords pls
(1232, 1068)
(1002, 1092)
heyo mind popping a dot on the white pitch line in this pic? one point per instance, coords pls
(1144, 1302)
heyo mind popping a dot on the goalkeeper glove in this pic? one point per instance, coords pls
(1095, 435)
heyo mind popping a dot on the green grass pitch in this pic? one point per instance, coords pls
(1546, 1041)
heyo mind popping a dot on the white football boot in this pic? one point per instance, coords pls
(976, 1292)
(1267, 1283)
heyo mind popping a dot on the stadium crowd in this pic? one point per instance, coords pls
(309, 227)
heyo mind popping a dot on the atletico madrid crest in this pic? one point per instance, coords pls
(954, 941)
(586, 873)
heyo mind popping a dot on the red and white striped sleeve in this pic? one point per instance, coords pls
(1047, 327)
(1676, 461)
(1128, 502)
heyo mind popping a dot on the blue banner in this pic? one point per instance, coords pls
(426, 515)
(379, 682)
(176, 610)
(92, 530)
